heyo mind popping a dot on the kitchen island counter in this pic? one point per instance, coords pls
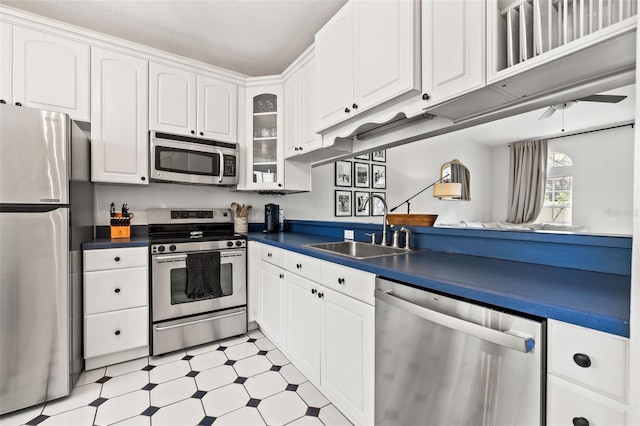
(596, 300)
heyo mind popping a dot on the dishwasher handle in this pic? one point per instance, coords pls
(521, 344)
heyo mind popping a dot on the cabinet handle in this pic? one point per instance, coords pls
(117, 258)
(281, 276)
(314, 291)
(582, 360)
(2, 101)
(18, 104)
(117, 290)
(340, 280)
(347, 110)
(299, 266)
(426, 97)
(580, 421)
(354, 106)
(117, 333)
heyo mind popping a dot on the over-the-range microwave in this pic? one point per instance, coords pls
(183, 159)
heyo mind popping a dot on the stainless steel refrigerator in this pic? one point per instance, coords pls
(46, 212)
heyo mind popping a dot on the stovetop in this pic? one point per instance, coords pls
(185, 225)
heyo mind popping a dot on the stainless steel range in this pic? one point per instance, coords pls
(198, 278)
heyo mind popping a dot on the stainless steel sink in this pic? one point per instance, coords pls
(358, 250)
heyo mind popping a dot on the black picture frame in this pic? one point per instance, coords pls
(380, 156)
(343, 203)
(344, 173)
(363, 157)
(377, 208)
(361, 175)
(358, 200)
(378, 176)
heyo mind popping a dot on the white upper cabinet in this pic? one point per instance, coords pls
(119, 118)
(6, 31)
(217, 109)
(453, 48)
(49, 72)
(301, 111)
(185, 103)
(172, 100)
(366, 55)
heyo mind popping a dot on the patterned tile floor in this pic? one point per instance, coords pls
(243, 380)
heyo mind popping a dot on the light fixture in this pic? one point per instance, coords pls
(447, 190)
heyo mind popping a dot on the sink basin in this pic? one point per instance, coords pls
(358, 250)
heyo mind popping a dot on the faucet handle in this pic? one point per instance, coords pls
(407, 238)
(372, 235)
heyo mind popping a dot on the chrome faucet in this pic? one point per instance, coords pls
(384, 218)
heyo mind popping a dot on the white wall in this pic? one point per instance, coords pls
(602, 179)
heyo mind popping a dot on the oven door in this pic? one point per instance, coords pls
(187, 162)
(169, 285)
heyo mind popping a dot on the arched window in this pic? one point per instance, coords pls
(559, 190)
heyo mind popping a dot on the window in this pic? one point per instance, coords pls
(559, 190)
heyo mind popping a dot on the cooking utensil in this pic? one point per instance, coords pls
(235, 208)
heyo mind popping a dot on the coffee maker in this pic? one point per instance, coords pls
(271, 218)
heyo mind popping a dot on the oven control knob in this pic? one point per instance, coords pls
(229, 243)
(161, 249)
(172, 247)
(238, 243)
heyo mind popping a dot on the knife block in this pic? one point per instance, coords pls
(121, 226)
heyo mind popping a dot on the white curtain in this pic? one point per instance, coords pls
(527, 180)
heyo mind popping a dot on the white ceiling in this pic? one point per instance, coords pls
(252, 37)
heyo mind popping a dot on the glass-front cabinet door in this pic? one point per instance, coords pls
(265, 153)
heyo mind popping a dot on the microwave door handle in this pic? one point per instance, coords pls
(221, 164)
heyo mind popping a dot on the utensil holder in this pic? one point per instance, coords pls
(241, 225)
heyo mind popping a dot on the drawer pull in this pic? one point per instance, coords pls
(117, 259)
(583, 361)
(580, 421)
(340, 280)
(117, 290)
(117, 333)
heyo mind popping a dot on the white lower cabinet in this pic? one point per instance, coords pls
(321, 316)
(587, 376)
(116, 305)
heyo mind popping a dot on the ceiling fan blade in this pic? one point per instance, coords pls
(611, 99)
(548, 113)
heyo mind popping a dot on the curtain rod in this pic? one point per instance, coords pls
(592, 131)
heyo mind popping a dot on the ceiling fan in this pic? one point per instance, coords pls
(611, 99)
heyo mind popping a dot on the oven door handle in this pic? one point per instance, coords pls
(221, 154)
(170, 257)
(168, 327)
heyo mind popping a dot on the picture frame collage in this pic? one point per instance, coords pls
(362, 173)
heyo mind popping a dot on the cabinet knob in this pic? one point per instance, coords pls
(117, 333)
(347, 110)
(18, 104)
(117, 290)
(193, 132)
(301, 148)
(314, 291)
(142, 178)
(580, 421)
(354, 106)
(426, 97)
(201, 133)
(280, 184)
(296, 149)
(582, 360)
(2, 101)
(269, 255)
(299, 266)
(117, 258)
(320, 295)
(281, 276)
(340, 280)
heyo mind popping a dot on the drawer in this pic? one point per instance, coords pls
(116, 331)
(106, 291)
(116, 258)
(273, 255)
(304, 266)
(608, 356)
(567, 401)
(352, 282)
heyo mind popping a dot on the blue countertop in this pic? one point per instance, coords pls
(107, 243)
(596, 300)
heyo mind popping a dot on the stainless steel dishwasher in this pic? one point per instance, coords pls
(441, 361)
